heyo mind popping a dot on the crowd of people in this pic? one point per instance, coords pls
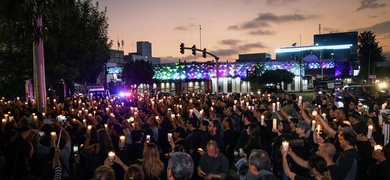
(195, 136)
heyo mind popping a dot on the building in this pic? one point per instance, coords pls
(255, 57)
(144, 51)
(332, 56)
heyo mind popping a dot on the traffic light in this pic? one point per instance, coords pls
(204, 53)
(194, 50)
(182, 48)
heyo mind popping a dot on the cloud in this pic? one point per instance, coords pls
(280, 2)
(224, 52)
(231, 42)
(370, 4)
(249, 46)
(262, 32)
(263, 20)
(184, 27)
(382, 28)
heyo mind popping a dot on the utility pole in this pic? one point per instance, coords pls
(194, 49)
(39, 71)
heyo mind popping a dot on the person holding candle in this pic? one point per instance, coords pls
(283, 132)
(247, 119)
(301, 146)
(213, 164)
(317, 166)
(349, 162)
(229, 138)
(380, 170)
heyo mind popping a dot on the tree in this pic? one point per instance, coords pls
(137, 72)
(75, 39)
(276, 77)
(368, 50)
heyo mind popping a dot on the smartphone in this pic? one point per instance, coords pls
(61, 118)
(75, 149)
(41, 133)
(148, 138)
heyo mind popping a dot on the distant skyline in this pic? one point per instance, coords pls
(232, 27)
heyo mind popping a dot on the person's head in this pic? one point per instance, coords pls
(152, 163)
(302, 127)
(317, 166)
(354, 117)
(228, 123)
(180, 167)
(247, 117)
(212, 148)
(179, 132)
(374, 121)
(104, 173)
(152, 121)
(284, 126)
(326, 150)
(192, 123)
(293, 122)
(134, 172)
(136, 135)
(347, 137)
(340, 114)
(258, 160)
(204, 125)
(105, 140)
(253, 131)
(352, 105)
(215, 127)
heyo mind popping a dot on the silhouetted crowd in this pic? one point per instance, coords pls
(196, 136)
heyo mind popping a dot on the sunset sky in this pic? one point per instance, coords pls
(232, 27)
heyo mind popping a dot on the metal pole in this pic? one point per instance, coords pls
(217, 89)
(200, 36)
(39, 71)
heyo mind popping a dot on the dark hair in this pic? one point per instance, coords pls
(230, 122)
(205, 123)
(248, 114)
(104, 173)
(217, 125)
(286, 126)
(182, 132)
(319, 164)
(349, 135)
(254, 135)
(136, 135)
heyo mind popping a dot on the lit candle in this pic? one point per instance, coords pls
(169, 136)
(89, 114)
(234, 107)
(247, 103)
(111, 155)
(274, 122)
(285, 145)
(53, 134)
(278, 106)
(300, 100)
(262, 120)
(122, 139)
(235, 101)
(314, 113)
(107, 109)
(106, 126)
(54, 100)
(6, 116)
(190, 101)
(4, 121)
(43, 114)
(84, 122)
(89, 128)
(273, 107)
(318, 130)
(324, 116)
(377, 147)
(172, 116)
(369, 133)
(86, 111)
(313, 125)
(152, 104)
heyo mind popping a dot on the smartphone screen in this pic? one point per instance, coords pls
(41, 133)
(75, 149)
